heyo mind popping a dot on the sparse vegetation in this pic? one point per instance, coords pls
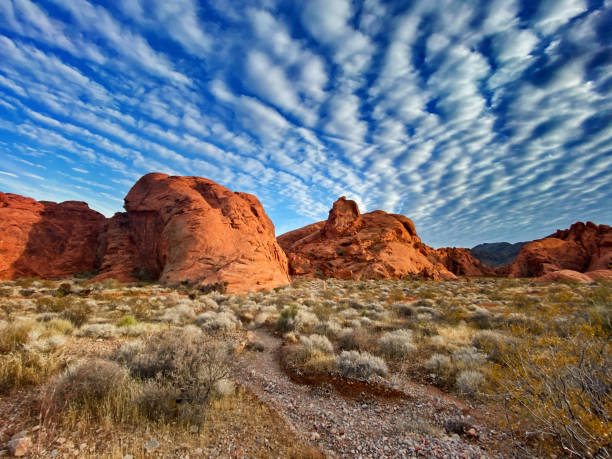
(153, 356)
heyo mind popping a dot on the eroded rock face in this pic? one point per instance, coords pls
(46, 239)
(460, 261)
(351, 245)
(581, 248)
(191, 229)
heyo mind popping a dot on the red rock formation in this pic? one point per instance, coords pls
(461, 262)
(581, 248)
(349, 245)
(191, 229)
(46, 239)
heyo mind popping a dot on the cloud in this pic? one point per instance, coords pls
(178, 18)
(479, 120)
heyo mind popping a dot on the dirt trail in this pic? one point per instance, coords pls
(361, 426)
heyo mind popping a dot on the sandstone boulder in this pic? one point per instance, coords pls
(351, 245)
(565, 275)
(46, 239)
(190, 229)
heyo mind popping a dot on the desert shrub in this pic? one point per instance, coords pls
(481, 317)
(25, 368)
(64, 289)
(127, 321)
(48, 344)
(7, 292)
(179, 314)
(440, 365)
(217, 321)
(563, 389)
(14, 336)
(351, 340)
(103, 331)
(396, 344)
(184, 362)
(520, 300)
(361, 365)
(469, 381)
(423, 328)
(109, 284)
(305, 321)
(494, 344)
(141, 308)
(224, 387)
(88, 383)
(314, 343)
(600, 296)
(438, 341)
(285, 321)
(330, 328)
(261, 319)
(61, 326)
(313, 354)
(219, 287)
(397, 294)
(77, 312)
(404, 309)
(469, 357)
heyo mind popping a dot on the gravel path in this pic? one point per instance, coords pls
(362, 426)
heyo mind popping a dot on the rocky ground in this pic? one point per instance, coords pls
(361, 424)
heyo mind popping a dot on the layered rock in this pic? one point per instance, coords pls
(46, 239)
(581, 248)
(460, 261)
(190, 229)
(351, 245)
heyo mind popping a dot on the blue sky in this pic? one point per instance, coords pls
(480, 120)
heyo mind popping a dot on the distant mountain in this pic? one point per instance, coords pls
(496, 254)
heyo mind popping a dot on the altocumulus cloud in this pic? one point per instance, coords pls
(481, 120)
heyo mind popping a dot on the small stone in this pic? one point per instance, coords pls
(198, 451)
(19, 446)
(193, 429)
(151, 445)
(314, 436)
(128, 456)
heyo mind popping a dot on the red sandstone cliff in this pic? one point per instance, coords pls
(46, 239)
(581, 248)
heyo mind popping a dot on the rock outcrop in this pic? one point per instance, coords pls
(46, 239)
(190, 229)
(460, 261)
(351, 245)
(175, 229)
(581, 248)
